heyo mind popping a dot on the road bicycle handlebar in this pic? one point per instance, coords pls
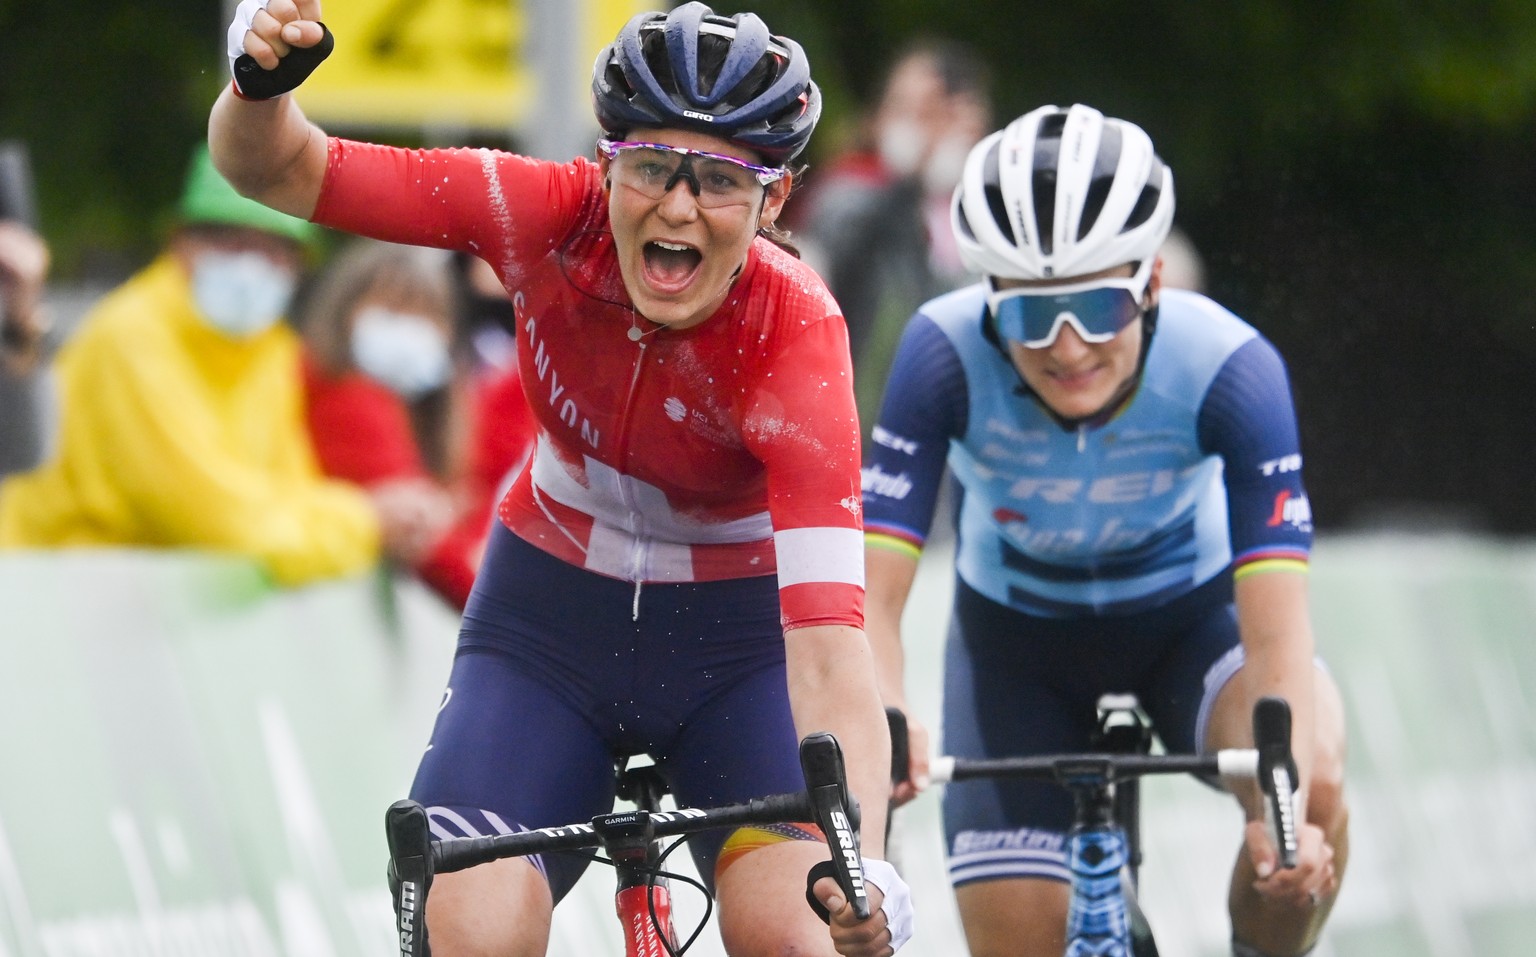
(415, 857)
(1269, 762)
(456, 854)
(1091, 767)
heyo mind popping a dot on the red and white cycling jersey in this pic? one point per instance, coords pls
(727, 450)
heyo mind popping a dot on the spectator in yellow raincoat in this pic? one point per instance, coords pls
(181, 420)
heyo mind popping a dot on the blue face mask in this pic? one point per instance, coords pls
(241, 294)
(404, 351)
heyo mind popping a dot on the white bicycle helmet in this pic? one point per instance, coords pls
(1060, 193)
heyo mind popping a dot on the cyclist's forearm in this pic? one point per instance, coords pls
(832, 688)
(888, 583)
(1277, 641)
(268, 151)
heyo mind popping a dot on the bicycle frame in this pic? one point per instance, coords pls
(643, 898)
(1104, 919)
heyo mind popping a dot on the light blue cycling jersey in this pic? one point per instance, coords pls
(1198, 472)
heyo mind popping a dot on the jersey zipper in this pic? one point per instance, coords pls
(637, 547)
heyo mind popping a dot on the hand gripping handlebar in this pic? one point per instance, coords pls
(836, 812)
(1277, 773)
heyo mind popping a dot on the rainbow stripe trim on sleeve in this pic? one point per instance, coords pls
(1271, 559)
(892, 538)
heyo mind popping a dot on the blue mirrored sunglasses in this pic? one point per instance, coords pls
(1097, 310)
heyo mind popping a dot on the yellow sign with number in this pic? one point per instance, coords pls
(440, 63)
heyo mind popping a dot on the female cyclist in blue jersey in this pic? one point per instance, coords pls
(1131, 519)
(679, 571)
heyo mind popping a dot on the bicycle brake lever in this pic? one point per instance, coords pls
(836, 813)
(410, 873)
(1277, 773)
(901, 757)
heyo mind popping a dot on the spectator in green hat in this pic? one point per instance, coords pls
(182, 419)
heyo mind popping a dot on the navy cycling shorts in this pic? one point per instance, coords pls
(555, 677)
(1018, 685)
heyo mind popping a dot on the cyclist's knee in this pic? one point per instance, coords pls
(1015, 917)
(762, 906)
(501, 908)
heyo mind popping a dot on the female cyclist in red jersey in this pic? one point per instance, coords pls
(679, 571)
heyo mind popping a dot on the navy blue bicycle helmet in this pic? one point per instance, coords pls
(726, 76)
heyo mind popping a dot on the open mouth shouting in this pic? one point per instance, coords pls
(670, 266)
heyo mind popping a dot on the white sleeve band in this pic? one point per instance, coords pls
(897, 905)
(244, 14)
(820, 555)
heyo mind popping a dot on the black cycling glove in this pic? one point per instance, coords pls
(255, 83)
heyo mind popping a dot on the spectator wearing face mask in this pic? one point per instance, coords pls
(875, 222)
(181, 422)
(389, 407)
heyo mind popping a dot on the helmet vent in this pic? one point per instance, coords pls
(994, 192)
(1146, 204)
(1043, 179)
(963, 224)
(1104, 166)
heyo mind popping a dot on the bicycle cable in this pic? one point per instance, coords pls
(653, 873)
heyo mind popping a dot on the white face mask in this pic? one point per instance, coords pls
(902, 144)
(404, 351)
(241, 294)
(946, 165)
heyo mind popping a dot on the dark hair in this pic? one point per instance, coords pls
(960, 68)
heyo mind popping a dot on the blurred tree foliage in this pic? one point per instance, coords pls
(110, 97)
(1356, 173)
